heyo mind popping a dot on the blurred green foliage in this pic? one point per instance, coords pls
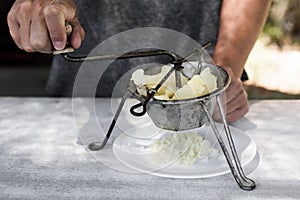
(283, 23)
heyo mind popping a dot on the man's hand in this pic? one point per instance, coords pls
(235, 101)
(39, 25)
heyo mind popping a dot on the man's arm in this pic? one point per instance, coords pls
(241, 22)
(240, 25)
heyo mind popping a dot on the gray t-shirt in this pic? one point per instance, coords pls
(102, 19)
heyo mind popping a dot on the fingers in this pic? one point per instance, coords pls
(19, 21)
(235, 102)
(237, 108)
(77, 35)
(56, 15)
(24, 20)
(235, 89)
(55, 21)
(39, 38)
(14, 30)
(39, 25)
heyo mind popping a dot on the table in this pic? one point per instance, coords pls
(40, 157)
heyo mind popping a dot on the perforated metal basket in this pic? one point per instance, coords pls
(184, 114)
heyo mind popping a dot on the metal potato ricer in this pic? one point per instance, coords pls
(177, 115)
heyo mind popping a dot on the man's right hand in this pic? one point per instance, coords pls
(39, 25)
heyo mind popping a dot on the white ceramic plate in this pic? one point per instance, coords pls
(134, 152)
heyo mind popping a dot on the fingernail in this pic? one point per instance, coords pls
(58, 45)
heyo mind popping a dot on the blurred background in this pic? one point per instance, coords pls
(273, 65)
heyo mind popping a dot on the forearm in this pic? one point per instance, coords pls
(240, 24)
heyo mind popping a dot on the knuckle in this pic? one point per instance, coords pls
(27, 47)
(11, 18)
(52, 11)
(38, 45)
(68, 9)
(244, 110)
(41, 46)
(231, 117)
(238, 86)
(23, 16)
(25, 8)
(38, 9)
(237, 83)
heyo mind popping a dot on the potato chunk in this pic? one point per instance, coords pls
(199, 85)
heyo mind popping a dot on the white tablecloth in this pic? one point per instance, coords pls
(40, 157)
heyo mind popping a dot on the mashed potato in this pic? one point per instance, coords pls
(183, 148)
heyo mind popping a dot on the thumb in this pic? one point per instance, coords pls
(56, 15)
